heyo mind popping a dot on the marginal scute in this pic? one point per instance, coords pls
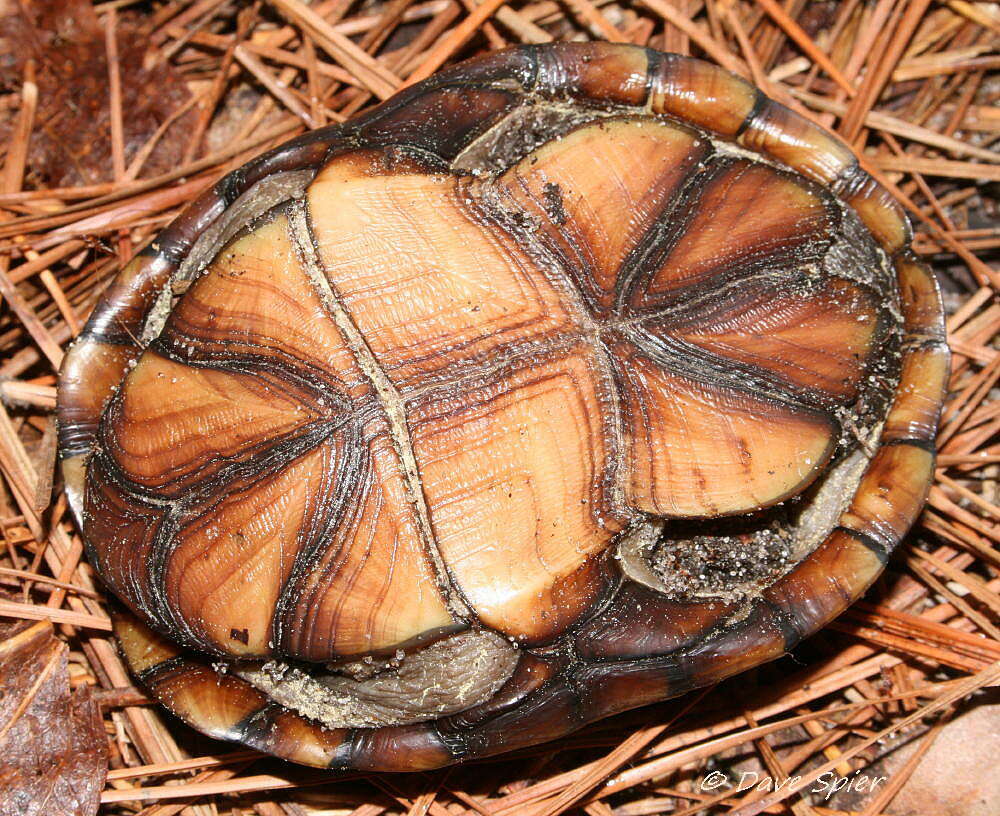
(917, 406)
(702, 94)
(604, 74)
(275, 730)
(793, 140)
(510, 67)
(816, 590)
(921, 299)
(218, 704)
(397, 748)
(610, 688)
(876, 207)
(303, 152)
(760, 635)
(548, 713)
(414, 124)
(891, 494)
(88, 380)
(142, 647)
(128, 300)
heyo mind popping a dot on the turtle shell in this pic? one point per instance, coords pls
(563, 382)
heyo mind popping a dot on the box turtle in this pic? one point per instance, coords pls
(563, 382)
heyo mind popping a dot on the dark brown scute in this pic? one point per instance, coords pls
(518, 66)
(124, 305)
(304, 152)
(397, 748)
(550, 712)
(640, 622)
(610, 688)
(415, 123)
(761, 635)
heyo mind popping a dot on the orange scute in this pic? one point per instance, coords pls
(514, 472)
(699, 449)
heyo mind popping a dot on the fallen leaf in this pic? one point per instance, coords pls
(53, 752)
(71, 141)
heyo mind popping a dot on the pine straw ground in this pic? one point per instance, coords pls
(113, 117)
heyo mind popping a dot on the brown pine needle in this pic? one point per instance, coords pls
(804, 41)
(454, 40)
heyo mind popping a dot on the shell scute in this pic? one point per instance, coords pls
(806, 334)
(878, 210)
(579, 187)
(515, 473)
(735, 218)
(470, 110)
(368, 584)
(791, 139)
(917, 407)
(891, 494)
(449, 308)
(762, 634)
(259, 525)
(703, 448)
(835, 573)
(641, 623)
(696, 92)
(605, 75)
(121, 531)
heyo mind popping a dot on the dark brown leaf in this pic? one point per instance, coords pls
(53, 758)
(66, 40)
